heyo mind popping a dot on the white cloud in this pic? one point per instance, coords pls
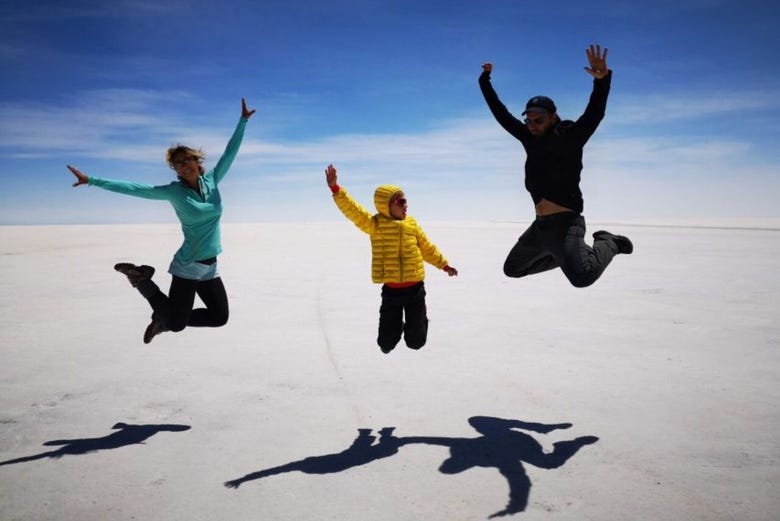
(678, 106)
(114, 123)
(654, 152)
(468, 160)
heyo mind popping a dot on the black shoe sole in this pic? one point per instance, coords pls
(622, 242)
(135, 274)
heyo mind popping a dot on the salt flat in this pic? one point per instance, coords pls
(665, 375)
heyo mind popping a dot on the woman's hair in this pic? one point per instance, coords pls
(179, 149)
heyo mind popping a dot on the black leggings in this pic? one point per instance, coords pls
(558, 241)
(397, 302)
(175, 310)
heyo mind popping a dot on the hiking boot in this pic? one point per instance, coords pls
(152, 330)
(623, 244)
(135, 274)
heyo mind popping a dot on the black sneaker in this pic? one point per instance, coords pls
(152, 330)
(623, 244)
(135, 274)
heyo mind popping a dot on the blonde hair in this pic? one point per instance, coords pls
(178, 149)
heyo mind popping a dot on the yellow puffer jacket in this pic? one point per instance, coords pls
(398, 247)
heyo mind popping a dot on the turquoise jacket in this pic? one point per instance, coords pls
(199, 213)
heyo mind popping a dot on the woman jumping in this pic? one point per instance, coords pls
(198, 205)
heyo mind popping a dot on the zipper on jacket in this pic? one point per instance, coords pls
(401, 255)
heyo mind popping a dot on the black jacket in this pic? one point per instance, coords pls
(554, 160)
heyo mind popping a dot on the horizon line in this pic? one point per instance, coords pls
(667, 223)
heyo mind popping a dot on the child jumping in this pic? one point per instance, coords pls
(398, 248)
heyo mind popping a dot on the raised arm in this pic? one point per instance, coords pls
(505, 118)
(587, 124)
(231, 150)
(351, 209)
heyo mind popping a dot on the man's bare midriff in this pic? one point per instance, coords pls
(545, 207)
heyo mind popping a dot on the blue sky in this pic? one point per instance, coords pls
(386, 90)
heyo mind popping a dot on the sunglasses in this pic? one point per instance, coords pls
(535, 121)
(400, 201)
(182, 162)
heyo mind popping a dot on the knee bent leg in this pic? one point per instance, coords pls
(175, 326)
(582, 281)
(221, 320)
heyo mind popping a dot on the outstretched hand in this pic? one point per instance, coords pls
(598, 61)
(487, 67)
(81, 179)
(245, 112)
(330, 176)
(452, 272)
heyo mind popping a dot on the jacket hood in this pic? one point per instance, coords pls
(382, 197)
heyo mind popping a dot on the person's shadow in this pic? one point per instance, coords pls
(362, 451)
(125, 434)
(500, 446)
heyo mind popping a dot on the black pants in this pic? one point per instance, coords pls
(175, 310)
(558, 241)
(397, 302)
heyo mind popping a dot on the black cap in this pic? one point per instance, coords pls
(539, 104)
